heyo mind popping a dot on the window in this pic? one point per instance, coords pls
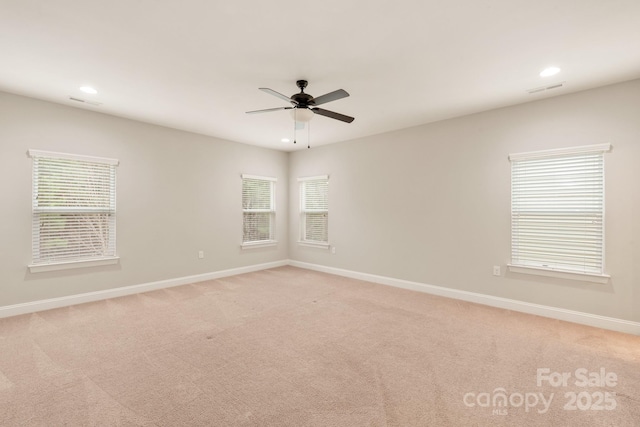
(314, 210)
(557, 211)
(73, 211)
(258, 210)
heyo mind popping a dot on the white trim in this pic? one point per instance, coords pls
(264, 178)
(68, 265)
(48, 304)
(313, 178)
(597, 148)
(272, 212)
(312, 244)
(594, 320)
(259, 244)
(610, 323)
(68, 156)
(549, 272)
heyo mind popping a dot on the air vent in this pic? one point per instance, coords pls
(545, 88)
(84, 101)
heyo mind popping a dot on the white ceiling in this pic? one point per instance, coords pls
(197, 65)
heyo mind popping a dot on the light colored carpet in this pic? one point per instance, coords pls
(292, 347)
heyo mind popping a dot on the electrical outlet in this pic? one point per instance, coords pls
(496, 270)
(333, 250)
(201, 254)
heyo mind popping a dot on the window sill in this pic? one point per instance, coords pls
(68, 265)
(571, 275)
(261, 244)
(314, 244)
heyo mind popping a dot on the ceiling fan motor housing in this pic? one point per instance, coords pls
(302, 100)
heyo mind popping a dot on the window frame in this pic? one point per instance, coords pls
(272, 241)
(521, 262)
(304, 213)
(109, 256)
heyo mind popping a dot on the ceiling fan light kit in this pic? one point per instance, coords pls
(299, 114)
(304, 106)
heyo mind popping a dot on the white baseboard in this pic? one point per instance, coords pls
(597, 321)
(32, 307)
(610, 323)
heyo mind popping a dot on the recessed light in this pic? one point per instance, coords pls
(285, 140)
(88, 89)
(551, 71)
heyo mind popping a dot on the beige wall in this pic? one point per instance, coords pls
(428, 204)
(431, 204)
(177, 193)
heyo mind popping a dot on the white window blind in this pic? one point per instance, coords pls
(557, 209)
(259, 209)
(73, 208)
(314, 209)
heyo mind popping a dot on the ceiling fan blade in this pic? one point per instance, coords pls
(269, 109)
(277, 94)
(331, 96)
(332, 114)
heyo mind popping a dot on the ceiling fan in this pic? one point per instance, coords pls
(304, 106)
